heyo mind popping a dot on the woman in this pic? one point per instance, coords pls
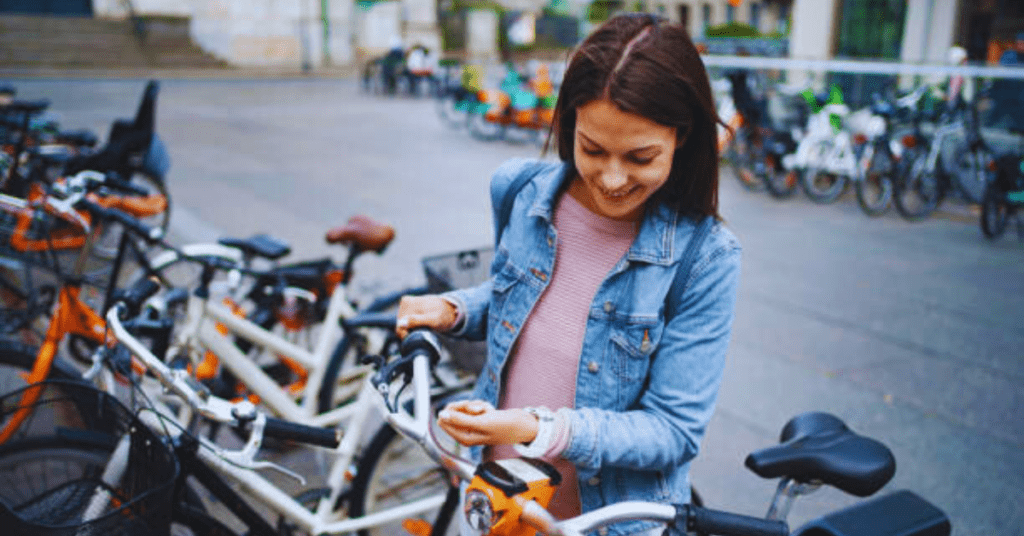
(611, 300)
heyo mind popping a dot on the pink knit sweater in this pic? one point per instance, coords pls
(544, 362)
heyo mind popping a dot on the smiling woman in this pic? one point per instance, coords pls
(611, 297)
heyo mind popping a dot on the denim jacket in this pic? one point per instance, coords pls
(650, 366)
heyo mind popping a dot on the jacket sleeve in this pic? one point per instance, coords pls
(673, 412)
(475, 301)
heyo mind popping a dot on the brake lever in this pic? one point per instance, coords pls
(245, 457)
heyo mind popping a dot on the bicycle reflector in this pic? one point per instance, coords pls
(498, 490)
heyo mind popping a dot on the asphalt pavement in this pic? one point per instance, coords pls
(913, 333)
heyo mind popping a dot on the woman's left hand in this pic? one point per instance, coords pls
(475, 422)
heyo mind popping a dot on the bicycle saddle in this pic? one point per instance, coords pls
(81, 138)
(261, 245)
(364, 233)
(818, 447)
(31, 107)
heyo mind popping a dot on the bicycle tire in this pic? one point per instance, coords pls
(920, 192)
(387, 451)
(741, 156)
(17, 358)
(823, 187)
(995, 212)
(482, 129)
(781, 183)
(447, 109)
(973, 173)
(875, 189)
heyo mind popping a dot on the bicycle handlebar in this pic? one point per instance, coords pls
(420, 350)
(183, 385)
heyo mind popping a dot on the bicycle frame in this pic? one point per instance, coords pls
(200, 332)
(220, 464)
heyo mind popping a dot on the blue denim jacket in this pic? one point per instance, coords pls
(650, 367)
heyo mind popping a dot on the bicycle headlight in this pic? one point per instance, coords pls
(479, 511)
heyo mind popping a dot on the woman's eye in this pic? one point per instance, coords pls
(641, 161)
(591, 152)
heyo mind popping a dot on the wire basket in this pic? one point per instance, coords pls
(460, 269)
(52, 467)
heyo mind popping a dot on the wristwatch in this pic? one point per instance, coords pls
(545, 433)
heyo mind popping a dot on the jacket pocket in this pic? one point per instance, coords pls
(632, 346)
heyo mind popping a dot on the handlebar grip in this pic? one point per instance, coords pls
(150, 234)
(115, 182)
(281, 429)
(422, 340)
(138, 293)
(710, 521)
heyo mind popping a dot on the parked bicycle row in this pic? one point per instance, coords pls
(911, 150)
(148, 413)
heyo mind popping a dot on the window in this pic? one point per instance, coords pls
(705, 18)
(684, 16)
(730, 13)
(783, 20)
(755, 16)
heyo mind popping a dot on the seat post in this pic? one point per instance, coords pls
(785, 494)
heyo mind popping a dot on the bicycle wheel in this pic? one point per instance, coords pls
(483, 129)
(395, 471)
(875, 189)
(453, 112)
(742, 156)
(822, 186)
(106, 244)
(974, 173)
(920, 192)
(995, 212)
(17, 358)
(781, 183)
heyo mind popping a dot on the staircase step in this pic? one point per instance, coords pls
(83, 42)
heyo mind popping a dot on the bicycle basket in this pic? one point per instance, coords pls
(455, 270)
(52, 466)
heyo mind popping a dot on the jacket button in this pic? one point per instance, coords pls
(594, 481)
(603, 531)
(551, 242)
(593, 367)
(608, 307)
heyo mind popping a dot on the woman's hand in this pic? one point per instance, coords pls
(475, 422)
(430, 311)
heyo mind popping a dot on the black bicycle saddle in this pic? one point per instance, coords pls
(819, 447)
(261, 245)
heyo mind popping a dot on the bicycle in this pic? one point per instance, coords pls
(212, 464)
(1004, 198)
(926, 181)
(508, 497)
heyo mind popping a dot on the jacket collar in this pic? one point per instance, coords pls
(654, 242)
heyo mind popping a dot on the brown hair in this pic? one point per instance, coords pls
(650, 68)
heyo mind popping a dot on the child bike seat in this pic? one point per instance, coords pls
(261, 245)
(818, 447)
(363, 233)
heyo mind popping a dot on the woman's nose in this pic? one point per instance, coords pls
(613, 178)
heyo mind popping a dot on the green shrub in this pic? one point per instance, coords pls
(732, 29)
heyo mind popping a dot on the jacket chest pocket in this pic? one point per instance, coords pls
(504, 286)
(632, 345)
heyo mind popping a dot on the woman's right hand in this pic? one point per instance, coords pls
(429, 311)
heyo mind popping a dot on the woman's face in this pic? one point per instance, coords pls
(622, 159)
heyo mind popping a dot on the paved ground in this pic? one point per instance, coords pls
(912, 333)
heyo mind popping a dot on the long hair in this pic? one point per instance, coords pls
(650, 68)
